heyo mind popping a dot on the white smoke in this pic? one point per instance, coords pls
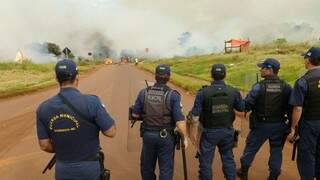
(157, 25)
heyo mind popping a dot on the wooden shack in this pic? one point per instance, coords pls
(236, 45)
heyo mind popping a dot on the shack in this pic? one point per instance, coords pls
(236, 45)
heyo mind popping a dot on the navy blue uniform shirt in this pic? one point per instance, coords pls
(74, 139)
(252, 96)
(197, 107)
(300, 89)
(175, 104)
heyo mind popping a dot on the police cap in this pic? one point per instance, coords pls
(66, 69)
(270, 63)
(163, 70)
(218, 69)
(312, 53)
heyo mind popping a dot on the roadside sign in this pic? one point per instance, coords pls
(66, 51)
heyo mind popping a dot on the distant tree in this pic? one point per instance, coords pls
(54, 49)
(280, 42)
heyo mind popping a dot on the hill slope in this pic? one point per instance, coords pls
(193, 72)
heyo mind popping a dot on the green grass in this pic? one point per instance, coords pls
(193, 72)
(26, 77)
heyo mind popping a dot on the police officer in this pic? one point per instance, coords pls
(306, 101)
(214, 108)
(160, 108)
(72, 137)
(268, 101)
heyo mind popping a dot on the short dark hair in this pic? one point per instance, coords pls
(314, 60)
(163, 79)
(218, 76)
(65, 81)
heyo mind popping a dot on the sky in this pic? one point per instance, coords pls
(82, 25)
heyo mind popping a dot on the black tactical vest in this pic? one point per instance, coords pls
(217, 107)
(156, 107)
(270, 103)
(311, 107)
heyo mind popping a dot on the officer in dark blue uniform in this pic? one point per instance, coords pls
(306, 101)
(214, 108)
(73, 139)
(268, 101)
(160, 108)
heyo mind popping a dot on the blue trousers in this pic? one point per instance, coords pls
(309, 132)
(157, 148)
(223, 139)
(274, 132)
(84, 170)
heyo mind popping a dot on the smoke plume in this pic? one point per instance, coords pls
(107, 27)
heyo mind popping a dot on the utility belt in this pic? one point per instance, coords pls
(164, 131)
(208, 130)
(104, 173)
(92, 158)
(235, 135)
(270, 119)
(95, 157)
(256, 118)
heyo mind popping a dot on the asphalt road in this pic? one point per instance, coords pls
(117, 86)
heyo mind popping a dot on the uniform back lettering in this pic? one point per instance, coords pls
(272, 88)
(221, 108)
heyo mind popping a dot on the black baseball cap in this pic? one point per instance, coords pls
(312, 53)
(218, 69)
(270, 63)
(66, 69)
(163, 70)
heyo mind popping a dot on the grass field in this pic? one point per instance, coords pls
(21, 78)
(193, 72)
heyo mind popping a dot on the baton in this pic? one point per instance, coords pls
(184, 161)
(50, 164)
(295, 143)
(293, 157)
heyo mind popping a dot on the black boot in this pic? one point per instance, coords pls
(272, 177)
(243, 173)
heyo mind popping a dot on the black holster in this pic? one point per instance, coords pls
(236, 138)
(105, 173)
(177, 140)
(142, 130)
(253, 120)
